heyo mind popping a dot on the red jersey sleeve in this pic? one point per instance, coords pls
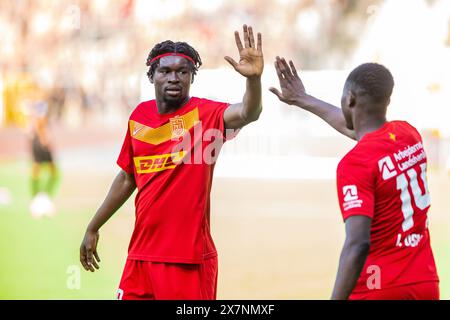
(125, 159)
(215, 111)
(356, 187)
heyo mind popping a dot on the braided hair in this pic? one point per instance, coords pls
(169, 46)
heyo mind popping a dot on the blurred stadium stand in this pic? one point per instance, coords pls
(88, 57)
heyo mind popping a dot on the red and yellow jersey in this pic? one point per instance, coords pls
(384, 177)
(172, 157)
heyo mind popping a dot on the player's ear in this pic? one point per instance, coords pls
(351, 99)
(150, 77)
(346, 98)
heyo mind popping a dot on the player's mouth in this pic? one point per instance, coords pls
(173, 91)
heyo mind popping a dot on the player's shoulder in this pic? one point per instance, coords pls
(143, 107)
(357, 156)
(402, 123)
(377, 145)
(361, 157)
(208, 103)
(406, 128)
(388, 136)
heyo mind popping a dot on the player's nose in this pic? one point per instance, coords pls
(173, 77)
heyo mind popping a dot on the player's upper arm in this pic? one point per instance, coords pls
(235, 116)
(356, 184)
(357, 229)
(121, 189)
(128, 178)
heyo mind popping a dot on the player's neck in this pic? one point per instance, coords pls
(368, 124)
(166, 108)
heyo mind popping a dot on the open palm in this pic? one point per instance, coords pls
(251, 62)
(292, 88)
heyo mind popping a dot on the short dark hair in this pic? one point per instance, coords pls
(169, 46)
(373, 80)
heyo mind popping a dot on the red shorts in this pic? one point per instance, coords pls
(416, 291)
(146, 280)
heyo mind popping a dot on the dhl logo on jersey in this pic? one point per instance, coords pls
(149, 164)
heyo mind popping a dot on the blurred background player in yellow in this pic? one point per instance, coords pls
(42, 190)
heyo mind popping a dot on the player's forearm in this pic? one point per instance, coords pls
(252, 101)
(327, 112)
(351, 262)
(121, 189)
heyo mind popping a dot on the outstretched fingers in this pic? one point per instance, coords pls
(276, 92)
(294, 70)
(251, 37)
(285, 68)
(231, 61)
(246, 36)
(281, 78)
(278, 70)
(259, 47)
(237, 38)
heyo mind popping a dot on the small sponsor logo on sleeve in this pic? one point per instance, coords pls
(351, 199)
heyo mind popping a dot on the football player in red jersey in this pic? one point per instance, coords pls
(171, 253)
(382, 189)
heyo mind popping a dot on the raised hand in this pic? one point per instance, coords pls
(293, 92)
(251, 62)
(292, 89)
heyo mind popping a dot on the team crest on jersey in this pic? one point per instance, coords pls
(351, 199)
(177, 126)
(387, 168)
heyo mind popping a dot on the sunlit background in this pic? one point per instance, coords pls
(275, 216)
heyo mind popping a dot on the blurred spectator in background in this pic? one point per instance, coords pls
(56, 101)
(93, 49)
(90, 53)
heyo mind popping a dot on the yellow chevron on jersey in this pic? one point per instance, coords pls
(165, 132)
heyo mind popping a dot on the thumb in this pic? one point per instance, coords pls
(231, 61)
(276, 92)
